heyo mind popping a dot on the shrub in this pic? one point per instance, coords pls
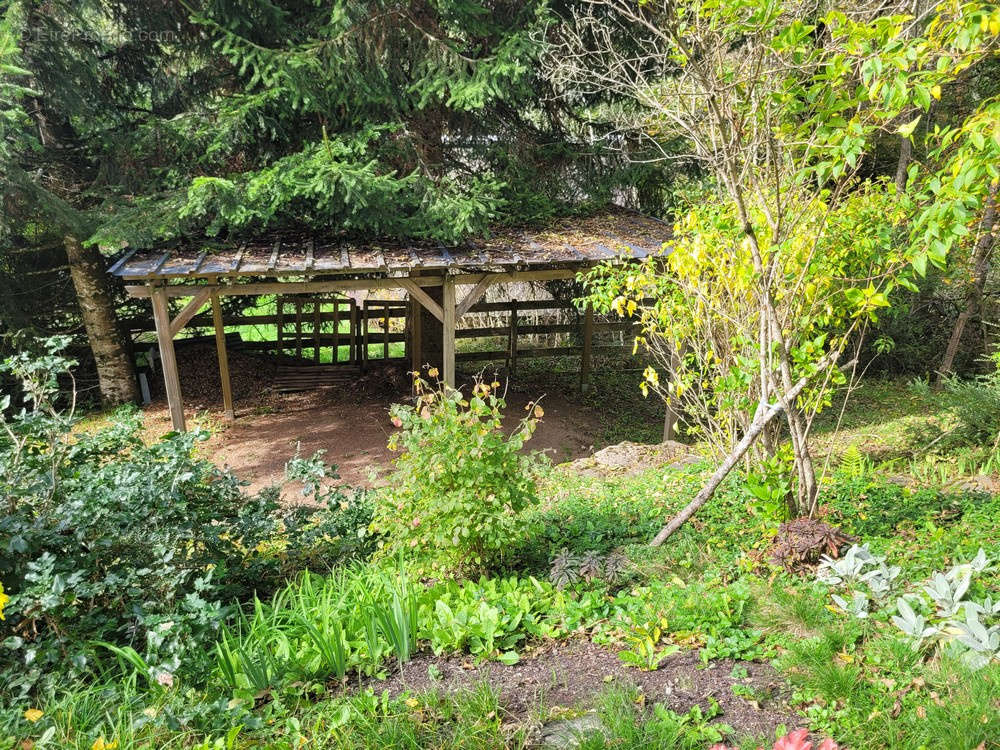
(454, 498)
(105, 538)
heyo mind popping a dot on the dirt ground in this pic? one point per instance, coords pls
(351, 422)
(570, 674)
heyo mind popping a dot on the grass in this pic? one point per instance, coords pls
(858, 681)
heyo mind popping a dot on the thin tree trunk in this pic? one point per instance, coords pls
(764, 416)
(981, 264)
(115, 369)
(671, 416)
(905, 154)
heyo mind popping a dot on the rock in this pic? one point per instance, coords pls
(978, 484)
(627, 458)
(566, 734)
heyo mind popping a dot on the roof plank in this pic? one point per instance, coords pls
(575, 242)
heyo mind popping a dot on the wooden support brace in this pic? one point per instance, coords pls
(474, 296)
(171, 380)
(425, 299)
(220, 348)
(190, 310)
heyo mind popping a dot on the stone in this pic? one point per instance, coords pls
(567, 734)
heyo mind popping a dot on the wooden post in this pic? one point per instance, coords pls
(220, 348)
(364, 336)
(280, 301)
(298, 328)
(512, 339)
(317, 329)
(336, 334)
(352, 340)
(416, 336)
(588, 339)
(385, 330)
(448, 343)
(161, 316)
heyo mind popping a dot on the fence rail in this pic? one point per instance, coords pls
(300, 323)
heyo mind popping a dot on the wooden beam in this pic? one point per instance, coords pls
(448, 323)
(474, 296)
(416, 336)
(586, 360)
(161, 314)
(424, 298)
(220, 348)
(512, 339)
(393, 282)
(190, 310)
(385, 330)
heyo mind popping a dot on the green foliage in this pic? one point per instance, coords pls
(334, 526)
(454, 498)
(105, 538)
(144, 547)
(645, 651)
(567, 568)
(627, 728)
(974, 403)
(874, 507)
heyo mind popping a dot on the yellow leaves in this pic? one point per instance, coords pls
(907, 130)
(33, 714)
(3, 601)
(651, 376)
(412, 702)
(433, 372)
(539, 412)
(101, 744)
(936, 91)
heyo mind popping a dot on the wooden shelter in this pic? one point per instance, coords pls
(298, 264)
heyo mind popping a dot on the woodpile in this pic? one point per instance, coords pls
(198, 367)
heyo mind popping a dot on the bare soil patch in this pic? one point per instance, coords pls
(570, 674)
(351, 423)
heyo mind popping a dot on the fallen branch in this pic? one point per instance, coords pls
(763, 418)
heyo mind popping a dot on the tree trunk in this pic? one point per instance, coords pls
(981, 265)
(764, 415)
(905, 154)
(115, 369)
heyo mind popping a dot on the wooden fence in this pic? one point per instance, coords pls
(305, 325)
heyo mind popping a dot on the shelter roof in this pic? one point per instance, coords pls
(565, 243)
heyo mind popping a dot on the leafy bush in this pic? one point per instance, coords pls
(104, 538)
(937, 617)
(974, 636)
(454, 499)
(336, 524)
(975, 405)
(876, 507)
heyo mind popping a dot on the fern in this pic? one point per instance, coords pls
(853, 463)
